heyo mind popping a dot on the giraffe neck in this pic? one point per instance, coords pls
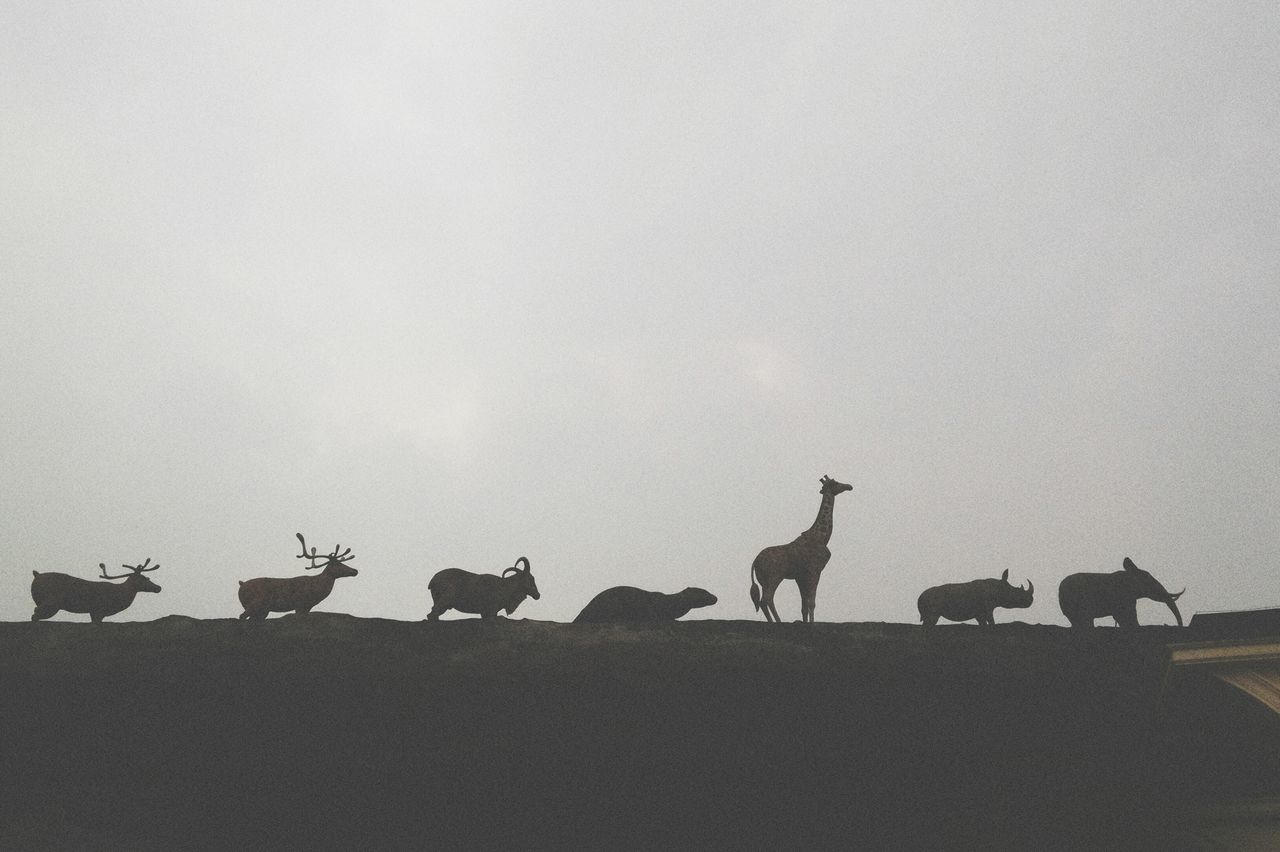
(821, 529)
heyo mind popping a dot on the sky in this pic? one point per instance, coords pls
(611, 286)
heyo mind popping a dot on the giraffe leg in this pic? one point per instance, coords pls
(808, 597)
(766, 600)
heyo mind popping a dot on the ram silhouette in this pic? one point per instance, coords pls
(482, 594)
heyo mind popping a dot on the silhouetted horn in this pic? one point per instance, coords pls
(1031, 590)
(1178, 595)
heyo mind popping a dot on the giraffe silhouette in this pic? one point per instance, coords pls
(801, 560)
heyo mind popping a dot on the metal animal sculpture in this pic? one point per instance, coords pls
(801, 560)
(976, 599)
(264, 595)
(484, 594)
(1084, 597)
(629, 605)
(53, 592)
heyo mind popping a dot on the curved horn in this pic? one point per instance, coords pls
(1178, 595)
(1031, 589)
(523, 559)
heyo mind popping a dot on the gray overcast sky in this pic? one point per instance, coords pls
(612, 285)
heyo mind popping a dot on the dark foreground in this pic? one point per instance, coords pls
(329, 732)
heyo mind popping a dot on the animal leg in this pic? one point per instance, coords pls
(1127, 616)
(43, 612)
(95, 617)
(768, 587)
(808, 597)
(436, 610)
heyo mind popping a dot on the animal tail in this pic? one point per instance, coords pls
(755, 590)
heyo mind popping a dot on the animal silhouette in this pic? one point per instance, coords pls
(263, 595)
(629, 605)
(53, 592)
(801, 560)
(976, 599)
(1084, 597)
(483, 594)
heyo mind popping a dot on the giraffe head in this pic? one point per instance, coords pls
(832, 488)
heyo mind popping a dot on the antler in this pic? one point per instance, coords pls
(315, 557)
(133, 569)
(304, 555)
(107, 576)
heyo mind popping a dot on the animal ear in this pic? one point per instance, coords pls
(1005, 576)
(1128, 565)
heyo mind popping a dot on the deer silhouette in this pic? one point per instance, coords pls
(263, 595)
(53, 592)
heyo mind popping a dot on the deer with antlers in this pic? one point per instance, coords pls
(264, 595)
(54, 592)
